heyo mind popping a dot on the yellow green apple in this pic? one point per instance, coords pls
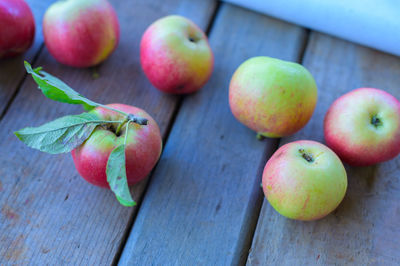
(273, 97)
(304, 180)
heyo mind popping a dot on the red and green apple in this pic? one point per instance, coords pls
(81, 33)
(304, 180)
(175, 55)
(273, 97)
(143, 146)
(363, 127)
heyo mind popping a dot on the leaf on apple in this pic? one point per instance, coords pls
(116, 176)
(61, 135)
(66, 133)
(57, 90)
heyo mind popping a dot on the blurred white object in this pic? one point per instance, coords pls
(374, 23)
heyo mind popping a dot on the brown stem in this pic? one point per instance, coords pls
(138, 120)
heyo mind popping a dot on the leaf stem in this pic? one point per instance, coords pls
(126, 133)
(131, 117)
(88, 122)
(112, 109)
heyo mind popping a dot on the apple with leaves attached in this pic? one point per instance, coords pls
(112, 146)
(304, 180)
(143, 146)
(17, 27)
(363, 127)
(175, 55)
(273, 97)
(81, 33)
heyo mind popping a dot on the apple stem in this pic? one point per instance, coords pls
(138, 120)
(308, 157)
(375, 121)
(259, 136)
(131, 118)
(120, 126)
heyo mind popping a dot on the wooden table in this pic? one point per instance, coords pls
(202, 204)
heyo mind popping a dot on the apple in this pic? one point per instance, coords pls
(175, 55)
(81, 33)
(143, 147)
(304, 180)
(17, 27)
(363, 127)
(273, 97)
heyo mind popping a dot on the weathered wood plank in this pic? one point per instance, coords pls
(49, 215)
(12, 70)
(365, 229)
(205, 194)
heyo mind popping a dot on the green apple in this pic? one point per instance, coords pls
(304, 180)
(273, 97)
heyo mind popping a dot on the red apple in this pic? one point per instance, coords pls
(17, 27)
(304, 180)
(175, 55)
(143, 147)
(363, 127)
(81, 33)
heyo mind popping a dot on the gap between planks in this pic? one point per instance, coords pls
(13, 71)
(21, 82)
(232, 17)
(364, 229)
(303, 47)
(104, 230)
(176, 110)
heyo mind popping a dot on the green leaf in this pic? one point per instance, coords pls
(116, 176)
(57, 90)
(61, 135)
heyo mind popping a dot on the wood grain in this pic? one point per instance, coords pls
(49, 215)
(205, 194)
(365, 228)
(12, 69)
